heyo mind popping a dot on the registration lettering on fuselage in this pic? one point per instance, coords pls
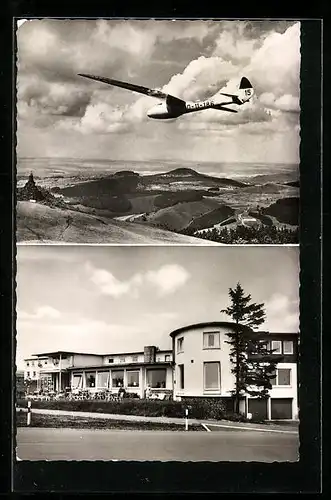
(199, 105)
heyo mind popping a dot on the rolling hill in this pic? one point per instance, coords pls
(177, 217)
(285, 210)
(188, 175)
(38, 223)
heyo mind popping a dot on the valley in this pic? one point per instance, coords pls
(181, 201)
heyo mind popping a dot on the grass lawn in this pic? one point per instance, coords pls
(65, 421)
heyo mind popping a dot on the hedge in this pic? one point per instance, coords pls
(198, 408)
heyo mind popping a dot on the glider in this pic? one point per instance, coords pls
(173, 107)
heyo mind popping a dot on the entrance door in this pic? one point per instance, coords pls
(258, 408)
(281, 408)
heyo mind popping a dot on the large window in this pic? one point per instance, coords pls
(212, 377)
(180, 344)
(287, 347)
(134, 359)
(117, 378)
(211, 340)
(90, 379)
(156, 378)
(103, 380)
(77, 380)
(282, 377)
(122, 359)
(180, 376)
(167, 357)
(132, 378)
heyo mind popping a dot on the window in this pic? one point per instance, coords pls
(122, 359)
(212, 378)
(32, 363)
(134, 359)
(167, 357)
(27, 363)
(103, 380)
(211, 340)
(111, 360)
(90, 379)
(181, 376)
(276, 347)
(45, 362)
(133, 378)
(287, 347)
(77, 380)
(117, 378)
(28, 374)
(282, 377)
(34, 374)
(180, 344)
(156, 378)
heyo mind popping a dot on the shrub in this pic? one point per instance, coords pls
(199, 408)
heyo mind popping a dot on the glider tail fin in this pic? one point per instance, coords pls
(246, 90)
(244, 94)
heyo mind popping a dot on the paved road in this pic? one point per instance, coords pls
(224, 445)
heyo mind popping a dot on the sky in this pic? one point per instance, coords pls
(60, 114)
(118, 299)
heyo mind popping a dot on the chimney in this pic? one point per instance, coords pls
(149, 354)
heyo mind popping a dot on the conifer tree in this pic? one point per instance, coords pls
(252, 363)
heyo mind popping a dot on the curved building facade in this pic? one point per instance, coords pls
(202, 360)
(202, 368)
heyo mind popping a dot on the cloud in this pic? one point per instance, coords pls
(282, 314)
(167, 279)
(286, 102)
(108, 284)
(41, 313)
(190, 59)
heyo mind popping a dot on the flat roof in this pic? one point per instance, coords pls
(107, 354)
(52, 353)
(227, 324)
(206, 324)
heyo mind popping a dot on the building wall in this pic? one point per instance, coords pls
(135, 357)
(128, 358)
(290, 391)
(84, 360)
(32, 369)
(193, 358)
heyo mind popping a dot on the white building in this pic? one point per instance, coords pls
(203, 369)
(197, 365)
